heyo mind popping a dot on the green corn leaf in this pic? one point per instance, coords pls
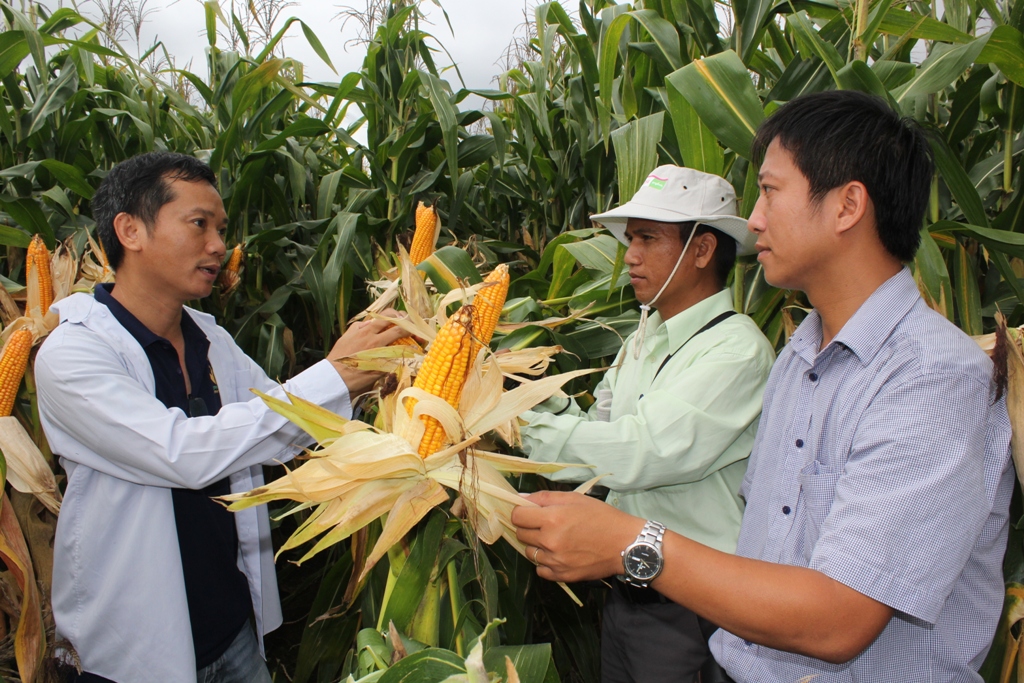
(699, 147)
(317, 46)
(1005, 49)
(720, 90)
(57, 93)
(449, 267)
(952, 173)
(13, 50)
(940, 69)
(932, 276)
(447, 116)
(70, 176)
(636, 152)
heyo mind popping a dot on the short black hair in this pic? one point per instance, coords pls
(840, 136)
(724, 257)
(139, 187)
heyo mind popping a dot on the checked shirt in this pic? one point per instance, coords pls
(882, 461)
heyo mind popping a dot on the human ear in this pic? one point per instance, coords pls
(129, 231)
(852, 206)
(706, 244)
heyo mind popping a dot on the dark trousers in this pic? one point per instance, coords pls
(648, 639)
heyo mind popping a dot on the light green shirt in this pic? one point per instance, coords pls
(677, 444)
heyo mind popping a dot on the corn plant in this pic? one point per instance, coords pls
(597, 98)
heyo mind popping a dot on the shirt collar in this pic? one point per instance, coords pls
(682, 325)
(870, 326)
(189, 329)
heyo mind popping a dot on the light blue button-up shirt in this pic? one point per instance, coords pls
(883, 462)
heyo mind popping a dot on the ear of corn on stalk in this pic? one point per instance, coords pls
(425, 237)
(229, 278)
(38, 278)
(444, 372)
(13, 362)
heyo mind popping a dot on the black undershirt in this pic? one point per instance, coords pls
(217, 592)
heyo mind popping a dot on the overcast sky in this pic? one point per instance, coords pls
(482, 30)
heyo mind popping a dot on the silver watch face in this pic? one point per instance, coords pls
(642, 561)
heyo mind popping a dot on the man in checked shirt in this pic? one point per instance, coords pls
(879, 484)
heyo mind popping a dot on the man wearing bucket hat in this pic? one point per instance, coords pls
(878, 491)
(675, 416)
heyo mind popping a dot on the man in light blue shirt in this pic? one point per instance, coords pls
(879, 485)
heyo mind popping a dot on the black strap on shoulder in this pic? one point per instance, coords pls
(714, 321)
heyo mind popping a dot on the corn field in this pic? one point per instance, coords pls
(322, 182)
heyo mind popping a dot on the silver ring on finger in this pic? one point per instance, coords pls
(536, 552)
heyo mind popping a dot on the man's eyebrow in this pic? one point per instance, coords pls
(762, 174)
(207, 213)
(645, 228)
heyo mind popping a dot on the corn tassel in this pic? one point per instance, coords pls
(425, 238)
(12, 368)
(37, 261)
(488, 304)
(444, 372)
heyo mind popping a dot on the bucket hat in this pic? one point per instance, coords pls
(674, 194)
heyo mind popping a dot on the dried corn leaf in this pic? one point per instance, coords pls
(414, 290)
(1015, 397)
(27, 469)
(355, 511)
(9, 311)
(409, 509)
(29, 639)
(522, 398)
(321, 424)
(533, 360)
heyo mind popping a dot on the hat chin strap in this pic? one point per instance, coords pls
(645, 309)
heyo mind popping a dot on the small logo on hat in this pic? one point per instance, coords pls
(656, 182)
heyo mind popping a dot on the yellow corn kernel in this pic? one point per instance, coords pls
(229, 277)
(488, 304)
(407, 341)
(426, 234)
(37, 260)
(13, 362)
(444, 372)
(235, 261)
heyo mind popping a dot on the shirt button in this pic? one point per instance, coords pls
(799, 443)
(813, 377)
(747, 643)
(785, 510)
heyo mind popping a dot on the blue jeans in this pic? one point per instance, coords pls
(240, 663)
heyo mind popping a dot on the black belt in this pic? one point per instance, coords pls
(639, 596)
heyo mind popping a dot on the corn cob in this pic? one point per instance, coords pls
(407, 341)
(425, 237)
(37, 259)
(488, 304)
(229, 278)
(444, 372)
(235, 262)
(12, 368)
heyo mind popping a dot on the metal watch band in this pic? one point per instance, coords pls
(652, 534)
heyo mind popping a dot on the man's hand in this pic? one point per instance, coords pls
(362, 335)
(578, 538)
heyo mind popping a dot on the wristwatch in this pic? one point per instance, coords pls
(642, 560)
